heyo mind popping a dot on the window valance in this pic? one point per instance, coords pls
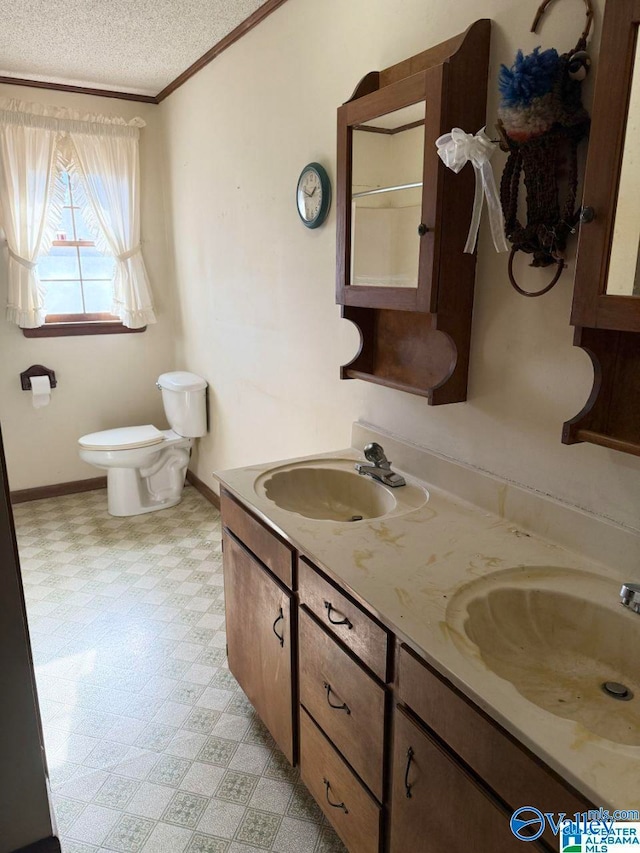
(64, 120)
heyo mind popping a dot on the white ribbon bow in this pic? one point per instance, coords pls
(457, 148)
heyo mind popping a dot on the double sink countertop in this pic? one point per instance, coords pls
(412, 568)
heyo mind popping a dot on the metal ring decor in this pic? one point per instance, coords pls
(560, 268)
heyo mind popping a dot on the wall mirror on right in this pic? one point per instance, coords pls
(606, 302)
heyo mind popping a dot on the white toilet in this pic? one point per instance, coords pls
(146, 467)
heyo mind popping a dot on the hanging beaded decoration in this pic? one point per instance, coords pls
(541, 122)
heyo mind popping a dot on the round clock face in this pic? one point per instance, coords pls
(313, 195)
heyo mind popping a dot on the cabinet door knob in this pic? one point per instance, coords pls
(344, 621)
(343, 707)
(422, 229)
(342, 806)
(408, 785)
(278, 618)
(587, 214)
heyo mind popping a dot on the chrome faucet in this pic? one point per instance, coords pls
(381, 468)
(630, 596)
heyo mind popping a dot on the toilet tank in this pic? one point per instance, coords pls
(184, 401)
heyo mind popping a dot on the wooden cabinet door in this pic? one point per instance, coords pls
(446, 809)
(258, 617)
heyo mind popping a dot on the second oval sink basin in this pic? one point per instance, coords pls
(331, 490)
(558, 648)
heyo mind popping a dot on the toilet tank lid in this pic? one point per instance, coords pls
(123, 438)
(181, 380)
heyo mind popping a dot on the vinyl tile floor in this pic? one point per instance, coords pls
(151, 745)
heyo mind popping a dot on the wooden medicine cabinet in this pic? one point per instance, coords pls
(403, 218)
(606, 301)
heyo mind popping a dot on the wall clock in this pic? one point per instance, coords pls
(313, 195)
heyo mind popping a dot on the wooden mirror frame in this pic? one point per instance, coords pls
(418, 339)
(425, 86)
(592, 305)
(608, 325)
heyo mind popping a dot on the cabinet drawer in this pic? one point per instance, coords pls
(437, 806)
(350, 809)
(516, 775)
(345, 702)
(276, 555)
(346, 620)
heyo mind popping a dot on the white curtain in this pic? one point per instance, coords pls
(101, 152)
(31, 197)
(108, 172)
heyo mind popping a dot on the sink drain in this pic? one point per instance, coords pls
(617, 690)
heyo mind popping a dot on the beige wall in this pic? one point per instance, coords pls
(104, 381)
(255, 310)
(256, 289)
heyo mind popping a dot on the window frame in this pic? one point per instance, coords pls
(60, 325)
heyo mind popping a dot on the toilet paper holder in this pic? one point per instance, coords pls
(36, 370)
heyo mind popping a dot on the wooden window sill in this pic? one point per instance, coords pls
(59, 330)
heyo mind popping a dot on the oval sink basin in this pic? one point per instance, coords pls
(331, 490)
(558, 639)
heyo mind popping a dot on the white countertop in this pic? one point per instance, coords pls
(406, 568)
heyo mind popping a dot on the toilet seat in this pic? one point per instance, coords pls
(123, 438)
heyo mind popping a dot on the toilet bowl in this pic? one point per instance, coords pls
(146, 467)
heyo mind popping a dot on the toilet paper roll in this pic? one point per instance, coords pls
(41, 391)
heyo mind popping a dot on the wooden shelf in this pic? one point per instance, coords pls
(611, 415)
(608, 441)
(406, 350)
(381, 380)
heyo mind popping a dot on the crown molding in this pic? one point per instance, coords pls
(231, 38)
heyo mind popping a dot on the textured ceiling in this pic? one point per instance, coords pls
(136, 46)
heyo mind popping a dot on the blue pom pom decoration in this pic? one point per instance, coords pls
(529, 77)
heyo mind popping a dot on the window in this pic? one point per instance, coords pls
(77, 279)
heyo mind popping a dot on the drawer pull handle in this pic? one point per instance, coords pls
(343, 707)
(344, 621)
(278, 618)
(334, 805)
(408, 785)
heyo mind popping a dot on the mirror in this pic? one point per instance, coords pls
(386, 198)
(624, 265)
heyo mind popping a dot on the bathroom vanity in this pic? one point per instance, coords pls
(377, 653)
